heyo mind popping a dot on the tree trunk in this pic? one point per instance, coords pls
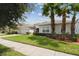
(63, 28)
(52, 23)
(73, 24)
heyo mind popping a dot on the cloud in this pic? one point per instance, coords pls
(39, 14)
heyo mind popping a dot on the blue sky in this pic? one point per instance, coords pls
(36, 15)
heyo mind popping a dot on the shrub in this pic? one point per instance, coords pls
(74, 38)
(3, 32)
(27, 33)
(65, 33)
(13, 32)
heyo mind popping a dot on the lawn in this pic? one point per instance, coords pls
(45, 42)
(5, 51)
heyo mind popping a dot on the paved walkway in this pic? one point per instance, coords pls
(9, 35)
(31, 50)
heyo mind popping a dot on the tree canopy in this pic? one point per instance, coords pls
(11, 13)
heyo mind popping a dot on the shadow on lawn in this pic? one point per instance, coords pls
(3, 50)
(44, 41)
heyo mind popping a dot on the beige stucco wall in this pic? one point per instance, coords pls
(68, 28)
(24, 30)
(57, 28)
(41, 28)
(77, 28)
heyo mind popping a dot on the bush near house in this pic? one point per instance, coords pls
(74, 38)
(13, 32)
(63, 37)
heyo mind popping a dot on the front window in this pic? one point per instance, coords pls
(45, 30)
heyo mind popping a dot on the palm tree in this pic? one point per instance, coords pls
(75, 9)
(63, 11)
(49, 9)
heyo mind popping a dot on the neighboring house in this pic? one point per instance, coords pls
(45, 27)
(25, 29)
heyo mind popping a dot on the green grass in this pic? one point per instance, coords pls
(5, 51)
(47, 43)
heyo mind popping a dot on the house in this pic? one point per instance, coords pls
(25, 29)
(45, 27)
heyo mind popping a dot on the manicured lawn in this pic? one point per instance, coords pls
(4, 51)
(47, 43)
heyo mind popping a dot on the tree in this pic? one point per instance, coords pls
(63, 11)
(12, 26)
(49, 9)
(11, 13)
(75, 9)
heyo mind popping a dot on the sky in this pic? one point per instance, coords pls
(35, 16)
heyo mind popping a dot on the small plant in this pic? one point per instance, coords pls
(54, 33)
(27, 33)
(74, 38)
(65, 33)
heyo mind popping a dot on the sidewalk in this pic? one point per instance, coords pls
(9, 35)
(31, 50)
